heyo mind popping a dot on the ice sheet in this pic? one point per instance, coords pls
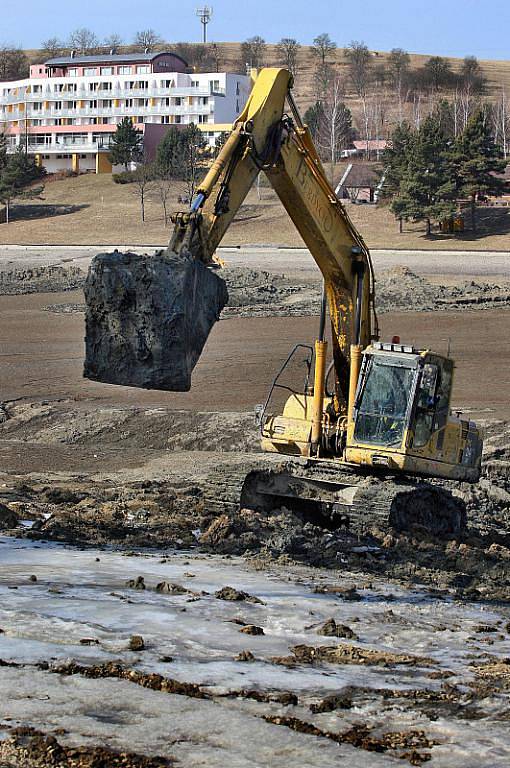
(77, 596)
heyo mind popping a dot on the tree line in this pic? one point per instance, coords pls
(428, 173)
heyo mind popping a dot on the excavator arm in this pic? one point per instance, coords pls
(265, 138)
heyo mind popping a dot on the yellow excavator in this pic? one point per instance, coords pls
(378, 407)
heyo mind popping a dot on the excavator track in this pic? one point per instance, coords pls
(334, 496)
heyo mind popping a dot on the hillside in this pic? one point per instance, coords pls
(497, 73)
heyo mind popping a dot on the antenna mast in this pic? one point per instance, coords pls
(204, 15)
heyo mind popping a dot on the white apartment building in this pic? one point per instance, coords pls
(66, 112)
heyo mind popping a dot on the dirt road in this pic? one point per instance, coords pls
(292, 261)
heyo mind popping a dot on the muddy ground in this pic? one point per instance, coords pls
(85, 466)
(256, 292)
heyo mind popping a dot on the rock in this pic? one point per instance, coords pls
(171, 588)
(251, 629)
(138, 583)
(89, 641)
(166, 659)
(8, 518)
(62, 496)
(332, 702)
(331, 629)
(346, 593)
(32, 578)
(498, 550)
(136, 643)
(148, 318)
(230, 593)
(244, 656)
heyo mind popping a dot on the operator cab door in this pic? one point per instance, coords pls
(430, 420)
(384, 399)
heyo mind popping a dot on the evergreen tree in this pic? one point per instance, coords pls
(312, 118)
(17, 172)
(478, 160)
(126, 144)
(170, 154)
(395, 158)
(3, 151)
(427, 187)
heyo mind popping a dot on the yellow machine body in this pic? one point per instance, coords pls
(407, 427)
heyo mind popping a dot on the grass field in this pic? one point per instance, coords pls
(91, 209)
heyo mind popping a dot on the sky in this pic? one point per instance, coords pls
(438, 27)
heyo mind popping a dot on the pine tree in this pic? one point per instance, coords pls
(18, 172)
(396, 156)
(478, 160)
(126, 144)
(427, 187)
(171, 152)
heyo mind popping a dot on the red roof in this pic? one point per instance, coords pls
(373, 145)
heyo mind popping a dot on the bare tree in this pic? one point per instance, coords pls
(163, 186)
(398, 64)
(253, 51)
(83, 40)
(287, 50)
(143, 182)
(216, 56)
(334, 123)
(51, 48)
(14, 63)
(501, 117)
(147, 40)
(322, 48)
(113, 41)
(323, 75)
(359, 61)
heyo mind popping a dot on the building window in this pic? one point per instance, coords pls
(178, 119)
(143, 69)
(107, 70)
(93, 86)
(73, 72)
(205, 100)
(125, 70)
(194, 83)
(177, 101)
(90, 71)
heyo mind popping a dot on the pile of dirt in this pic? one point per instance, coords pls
(400, 289)
(43, 279)
(258, 293)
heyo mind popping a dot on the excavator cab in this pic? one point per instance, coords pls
(401, 417)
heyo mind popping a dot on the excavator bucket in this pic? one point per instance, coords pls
(148, 318)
